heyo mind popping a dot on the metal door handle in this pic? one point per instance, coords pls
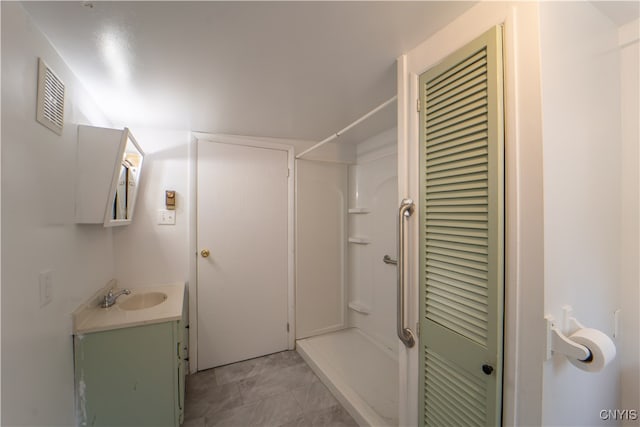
(205, 253)
(405, 334)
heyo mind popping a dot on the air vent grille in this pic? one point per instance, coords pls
(50, 108)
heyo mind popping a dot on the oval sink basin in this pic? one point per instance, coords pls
(143, 300)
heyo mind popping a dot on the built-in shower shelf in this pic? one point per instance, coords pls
(359, 240)
(360, 307)
(359, 210)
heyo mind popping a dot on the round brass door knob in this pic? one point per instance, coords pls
(205, 253)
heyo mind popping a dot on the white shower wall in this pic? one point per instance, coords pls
(373, 186)
(352, 207)
(321, 199)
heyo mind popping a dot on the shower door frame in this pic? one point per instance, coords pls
(193, 231)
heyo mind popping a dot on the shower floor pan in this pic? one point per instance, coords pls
(361, 374)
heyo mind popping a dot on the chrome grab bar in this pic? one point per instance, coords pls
(387, 260)
(405, 334)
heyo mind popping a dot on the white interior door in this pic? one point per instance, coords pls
(242, 222)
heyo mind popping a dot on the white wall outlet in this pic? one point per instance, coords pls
(166, 217)
(45, 282)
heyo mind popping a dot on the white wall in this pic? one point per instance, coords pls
(583, 155)
(373, 184)
(38, 233)
(628, 346)
(329, 152)
(146, 252)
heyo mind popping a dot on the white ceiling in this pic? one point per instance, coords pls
(619, 12)
(281, 69)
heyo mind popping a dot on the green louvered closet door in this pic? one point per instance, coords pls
(462, 236)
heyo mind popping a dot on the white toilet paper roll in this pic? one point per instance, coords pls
(602, 349)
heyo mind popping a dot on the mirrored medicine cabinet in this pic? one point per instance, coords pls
(109, 163)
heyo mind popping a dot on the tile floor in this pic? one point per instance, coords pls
(274, 390)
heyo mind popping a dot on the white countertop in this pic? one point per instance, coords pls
(90, 317)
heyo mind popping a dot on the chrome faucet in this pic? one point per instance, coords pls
(110, 298)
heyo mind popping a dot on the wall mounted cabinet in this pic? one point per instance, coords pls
(109, 163)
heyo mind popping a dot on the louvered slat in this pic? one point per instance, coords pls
(475, 83)
(464, 253)
(468, 243)
(467, 308)
(50, 106)
(456, 142)
(453, 396)
(465, 225)
(471, 194)
(453, 320)
(437, 81)
(463, 98)
(472, 128)
(452, 287)
(459, 108)
(457, 87)
(466, 164)
(475, 117)
(479, 136)
(54, 99)
(449, 282)
(456, 232)
(462, 104)
(459, 260)
(455, 401)
(480, 201)
(458, 147)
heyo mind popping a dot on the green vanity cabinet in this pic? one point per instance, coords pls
(132, 376)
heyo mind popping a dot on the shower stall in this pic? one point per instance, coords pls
(346, 292)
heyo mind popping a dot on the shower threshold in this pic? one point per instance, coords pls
(361, 374)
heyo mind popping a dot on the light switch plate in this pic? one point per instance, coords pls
(166, 217)
(45, 282)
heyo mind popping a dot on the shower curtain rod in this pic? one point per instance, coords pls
(337, 134)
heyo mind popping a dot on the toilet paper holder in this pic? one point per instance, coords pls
(558, 342)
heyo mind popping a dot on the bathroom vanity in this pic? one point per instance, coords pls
(130, 359)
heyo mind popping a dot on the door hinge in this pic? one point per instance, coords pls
(418, 105)
(287, 327)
